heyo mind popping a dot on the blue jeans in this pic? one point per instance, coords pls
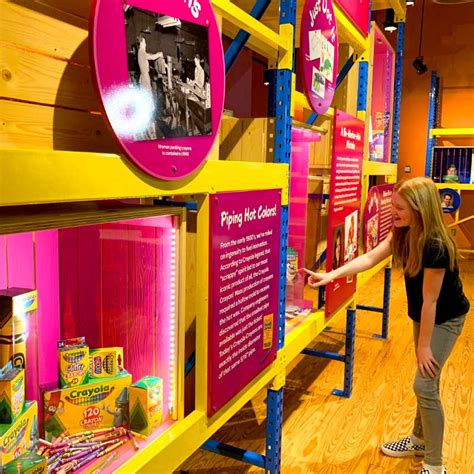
(429, 421)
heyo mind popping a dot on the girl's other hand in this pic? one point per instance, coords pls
(317, 279)
(427, 364)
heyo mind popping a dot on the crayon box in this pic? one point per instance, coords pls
(18, 437)
(12, 395)
(73, 362)
(28, 463)
(146, 405)
(105, 362)
(16, 306)
(102, 403)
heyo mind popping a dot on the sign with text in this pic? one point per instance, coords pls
(377, 215)
(344, 202)
(159, 71)
(319, 53)
(243, 290)
(358, 12)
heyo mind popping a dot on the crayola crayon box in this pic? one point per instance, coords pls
(146, 405)
(73, 362)
(105, 362)
(16, 438)
(12, 395)
(28, 463)
(102, 403)
(16, 307)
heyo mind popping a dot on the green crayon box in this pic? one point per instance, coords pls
(12, 395)
(28, 463)
(146, 405)
(18, 437)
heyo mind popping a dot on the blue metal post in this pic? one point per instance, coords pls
(397, 92)
(349, 356)
(432, 116)
(242, 455)
(362, 86)
(242, 36)
(274, 427)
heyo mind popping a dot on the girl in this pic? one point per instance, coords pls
(422, 246)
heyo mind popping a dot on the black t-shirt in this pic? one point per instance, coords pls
(451, 301)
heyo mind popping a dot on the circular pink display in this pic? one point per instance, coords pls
(159, 71)
(319, 53)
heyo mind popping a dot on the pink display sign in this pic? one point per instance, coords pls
(382, 99)
(345, 194)
(358, 12)
(377, 215)
(159, 70)
(319, 53)
(243, 299)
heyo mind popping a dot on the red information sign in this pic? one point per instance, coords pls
(377, 215)
(159, 70)
(358, 12)
(243, 300)
(345, 192)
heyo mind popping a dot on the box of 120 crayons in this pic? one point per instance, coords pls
(102, 403)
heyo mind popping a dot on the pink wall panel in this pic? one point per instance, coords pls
(114, 273)
(47, 283)
(142, 300)
(3, 261)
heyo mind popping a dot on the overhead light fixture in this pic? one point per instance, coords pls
(418, 64)
(410, 3)
(389, 23)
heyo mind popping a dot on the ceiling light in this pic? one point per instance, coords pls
(419, 65)
(389, 23)
(410, 3)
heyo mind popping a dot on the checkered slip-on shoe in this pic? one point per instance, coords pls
(427, 470)
(402, 448)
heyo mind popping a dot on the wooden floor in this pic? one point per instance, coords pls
(326, 434)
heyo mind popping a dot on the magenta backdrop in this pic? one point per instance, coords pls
(345, 193)
(167, 158)
(377, 215)
(319, 53)
(358, 12)
(244, 280)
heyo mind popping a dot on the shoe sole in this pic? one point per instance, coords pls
(401, 454)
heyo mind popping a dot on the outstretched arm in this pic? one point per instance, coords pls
(359, 264)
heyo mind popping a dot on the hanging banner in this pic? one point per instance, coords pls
(358, 12)
(344, 202)
(377, 215)
(244, 281)
(319, 53)
(159, 70)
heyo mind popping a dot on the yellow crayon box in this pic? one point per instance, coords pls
(12, 395)
(146, 405)
(18, 437)
(102, 403)
(105, 362)
(73, 362)
(28, 463)
(16, 306)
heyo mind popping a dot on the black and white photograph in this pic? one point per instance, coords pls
(168, 59)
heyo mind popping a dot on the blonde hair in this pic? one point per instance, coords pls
(408, 243)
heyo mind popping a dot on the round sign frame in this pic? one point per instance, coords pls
(451, 205)
(318, 53)
(133, 118)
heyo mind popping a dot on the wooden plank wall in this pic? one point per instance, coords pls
(46, 96)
